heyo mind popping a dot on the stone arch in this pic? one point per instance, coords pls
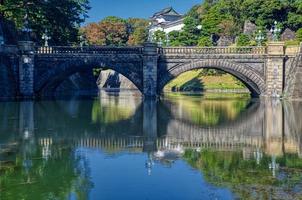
(47, 82)
(249, 76)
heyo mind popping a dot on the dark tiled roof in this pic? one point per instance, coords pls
(166, 11)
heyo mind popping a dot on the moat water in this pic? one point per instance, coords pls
(116, 146)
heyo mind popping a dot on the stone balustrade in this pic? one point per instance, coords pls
(138, 50)
(292, 50)
(88, 50)
(212, 50)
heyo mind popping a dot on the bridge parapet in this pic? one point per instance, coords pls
(213, 50)
(293, 50)
(88, 50)
(9, 49)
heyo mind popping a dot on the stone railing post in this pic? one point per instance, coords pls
(275, 69)
(26, 68)
(150, 58)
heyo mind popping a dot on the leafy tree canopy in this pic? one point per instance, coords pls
(299, 34)
(62, 18)
(115, 31)
(225, 17)
(243, 40)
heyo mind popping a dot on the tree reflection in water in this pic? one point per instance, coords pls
(62, 175)
(247, 178)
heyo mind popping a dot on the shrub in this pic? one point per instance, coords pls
(205, 41)
(299, 34)
(243, 40)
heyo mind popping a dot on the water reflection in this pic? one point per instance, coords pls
(241, 147)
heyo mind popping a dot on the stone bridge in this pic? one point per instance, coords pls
(266, 71)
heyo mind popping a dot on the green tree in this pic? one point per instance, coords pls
(159, 37)
(174, 38)
(226, 17)
(62, 18)
(243, 40)
(190, 34)
(265, 12)
(205, 41)
(299, 34)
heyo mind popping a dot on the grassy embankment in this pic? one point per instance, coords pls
(196, 80)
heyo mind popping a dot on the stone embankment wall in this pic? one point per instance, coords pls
(111, 79)
(293, 78)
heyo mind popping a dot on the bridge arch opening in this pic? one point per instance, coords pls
(249, 77)
(82, 77)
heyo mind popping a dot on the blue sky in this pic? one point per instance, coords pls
(135, 8)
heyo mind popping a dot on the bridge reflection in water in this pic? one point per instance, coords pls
(159, 128)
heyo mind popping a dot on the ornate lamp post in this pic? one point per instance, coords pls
(275, 31)
(82, 41)
(150, 35)
(160, 42)
(167, 40)
(45, 37)
(259, 38)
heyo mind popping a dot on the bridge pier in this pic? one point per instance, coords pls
(150, 60)
(26, 69)
(275, 69)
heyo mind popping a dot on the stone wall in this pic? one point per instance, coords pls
(288, 35)
(249, 28)
(225, 41)
(297, 84)
(111, 79)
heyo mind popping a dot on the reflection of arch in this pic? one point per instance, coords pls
(248, 118)
(252, 112)
(47, 82)
(77, 115)
(250, 77)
